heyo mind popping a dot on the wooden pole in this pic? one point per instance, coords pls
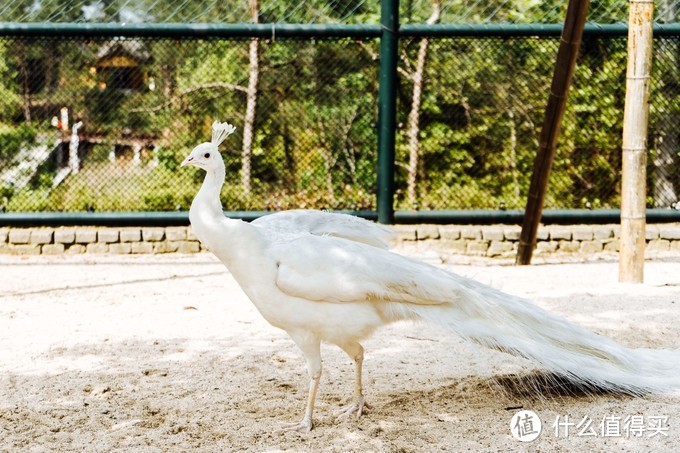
(552, 121)
(635, 121)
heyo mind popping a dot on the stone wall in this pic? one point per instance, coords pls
(491, 241)
(51, 241)
(503, 240)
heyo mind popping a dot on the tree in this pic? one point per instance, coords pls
(251, 102)
(414, 115)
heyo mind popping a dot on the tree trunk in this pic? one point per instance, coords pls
(23, 70)
(251, 104)
(414, 115)
(513, 157)
(51, 67)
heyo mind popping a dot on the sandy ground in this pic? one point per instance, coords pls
(165, 353)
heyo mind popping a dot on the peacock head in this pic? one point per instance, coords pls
(206, 155)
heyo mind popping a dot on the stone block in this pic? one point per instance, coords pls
(53, 249)
(546, 246)
(427, 232)
(95, 247)
(582, 234)
(170, 246)
(675, 246)
(5, 249)
(471, 233)
(130, 235)
(86, 236)
(64, 236)
(543, 234)
(651, 232)
(603, 232)
(190, 234)
(75, 249)
(122, 248)
(492, 234)
(477, 247)
(188, 247)
(512, 234)
(569, 246)
(405, 232)
(670, 232)
(457, 247)
(19, 236)
(659, 245)
(499, 248)
(141, 247)
(612, 246)
(153, 234)
(108, 235)
(26, 249)
(42, 236)
(4, 235)
(160, 247)
(560, 234)
(449, 233)
(594, 246)
(176, 233)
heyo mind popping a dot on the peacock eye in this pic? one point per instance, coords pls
(206, 155)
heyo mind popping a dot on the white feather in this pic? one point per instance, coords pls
(220, 131)
(321, 223)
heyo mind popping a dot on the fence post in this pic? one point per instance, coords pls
(635, 122)
(387, 107)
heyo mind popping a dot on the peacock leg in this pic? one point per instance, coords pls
(358, 403)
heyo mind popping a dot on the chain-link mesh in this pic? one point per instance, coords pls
(316, 11)
(143, 104)
(483, 104)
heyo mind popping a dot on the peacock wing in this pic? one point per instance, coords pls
(321, 223)
(334, 270)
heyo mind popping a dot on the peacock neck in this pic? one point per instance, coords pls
(207, 200)
(218, 233)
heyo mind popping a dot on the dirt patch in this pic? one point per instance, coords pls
(167, 354)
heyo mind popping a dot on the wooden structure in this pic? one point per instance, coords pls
(120, 65)
(557, 101)
(635, 122)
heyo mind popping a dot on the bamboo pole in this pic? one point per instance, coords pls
(559, 91)
(635, 122)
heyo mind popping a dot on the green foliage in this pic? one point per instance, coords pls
(315, 129)
(10, 99)
(12, 138)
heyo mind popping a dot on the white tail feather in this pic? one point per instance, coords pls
(220, 131)
(491, 318)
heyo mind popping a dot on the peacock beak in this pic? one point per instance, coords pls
(188, 161)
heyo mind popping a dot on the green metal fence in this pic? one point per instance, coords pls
(142, 96)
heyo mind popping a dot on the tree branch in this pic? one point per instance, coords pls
(206, 86)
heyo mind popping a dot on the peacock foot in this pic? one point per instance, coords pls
(304, 426)
(356, 407)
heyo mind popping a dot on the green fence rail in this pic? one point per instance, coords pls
(147, 93)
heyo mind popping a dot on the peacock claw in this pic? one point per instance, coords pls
(304, 426)
(358, 407)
